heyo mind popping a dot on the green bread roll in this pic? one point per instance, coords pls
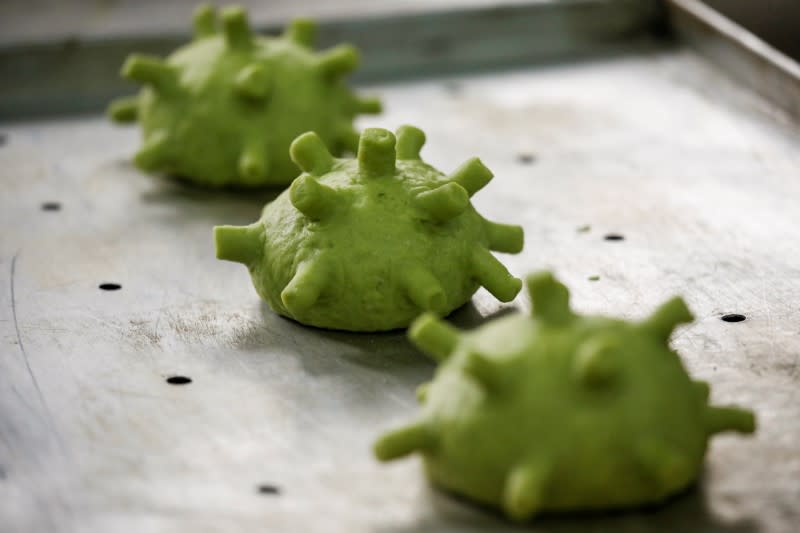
(559, 412)
(223, 110)
(367, 244)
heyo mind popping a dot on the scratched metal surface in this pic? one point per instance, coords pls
(700, 177)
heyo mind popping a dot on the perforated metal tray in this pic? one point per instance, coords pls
(649, 140)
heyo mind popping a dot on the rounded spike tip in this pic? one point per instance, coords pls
(472, 175)
(721, 419)
(488, 372)
(312, 198)
(302, 292)
(124, 110)
(301, 31)
(204, 21)
(667, 317)
(423, 288)
(152, 155)
(236, 27)
(253, 82)
(338, 61)
(524, 490)
(253, 164)
(507, 238)
(410, 141)
(150, 70)
(549, 297)
(404, 441)
(596, 364)
(494, 276)
(434, 337)
(444, 202)
(310, 154)
(422, 392)
(668, 468)
(376, 152)
(369, 106)
(241, 244)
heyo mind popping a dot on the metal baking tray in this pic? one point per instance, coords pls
(659, 122)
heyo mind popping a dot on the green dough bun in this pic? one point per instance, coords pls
(560, 412)
(367, 244)
(223, 110)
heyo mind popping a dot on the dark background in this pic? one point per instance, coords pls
(775, 21)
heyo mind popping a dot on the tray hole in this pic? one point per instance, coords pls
(614, 237)
(594, 278)
(526, 159)
(51, 206)
(110, 286)
(733, 317)
(269, 489)
(179, 380)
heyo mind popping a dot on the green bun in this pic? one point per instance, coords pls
(367, 244)
(559, 412)
(223, 110)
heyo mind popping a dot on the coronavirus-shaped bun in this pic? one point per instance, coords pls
(367, 244)
(560, 412)
(224, 109)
